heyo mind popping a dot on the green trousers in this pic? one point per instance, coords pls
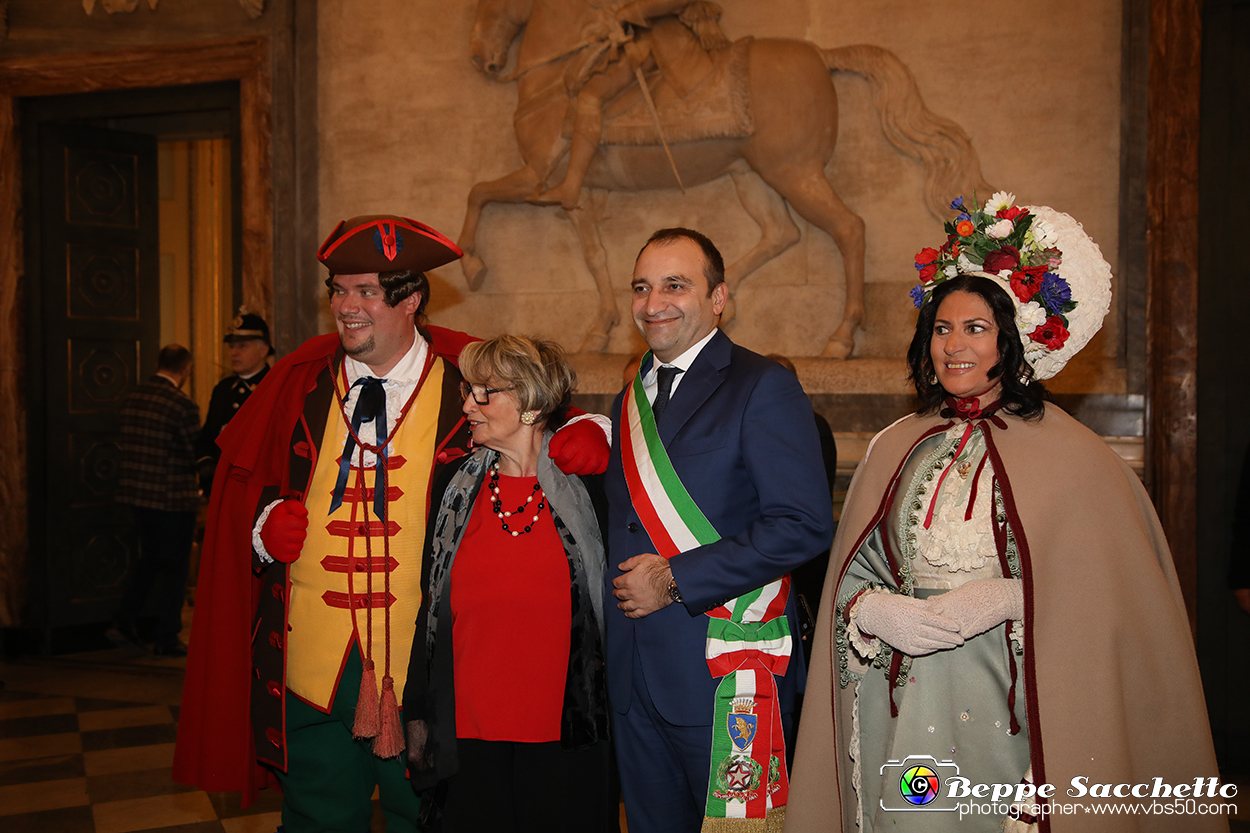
(329, 783)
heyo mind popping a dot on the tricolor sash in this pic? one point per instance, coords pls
(748, 639)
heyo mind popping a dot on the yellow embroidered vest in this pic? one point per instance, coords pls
(330, 578)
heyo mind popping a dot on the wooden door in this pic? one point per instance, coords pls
(98, 313)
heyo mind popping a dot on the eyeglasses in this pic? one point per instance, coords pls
(480, 393)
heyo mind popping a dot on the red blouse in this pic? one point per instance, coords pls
(511, 616)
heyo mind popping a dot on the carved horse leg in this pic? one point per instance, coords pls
(777, 231)
(809, 191)
(796, 117)
(515, 187)
(590, 210)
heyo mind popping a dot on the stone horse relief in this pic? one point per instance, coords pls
(651, 94)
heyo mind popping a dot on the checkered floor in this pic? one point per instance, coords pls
(87, 742)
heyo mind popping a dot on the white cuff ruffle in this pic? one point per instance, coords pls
(258, 546)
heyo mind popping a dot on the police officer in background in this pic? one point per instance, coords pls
(250, 350)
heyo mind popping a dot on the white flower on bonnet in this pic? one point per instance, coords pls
(1053, 272)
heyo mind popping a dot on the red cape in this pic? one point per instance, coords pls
(214, 748)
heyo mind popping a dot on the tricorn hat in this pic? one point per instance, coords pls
(247, 325)
(385, 243)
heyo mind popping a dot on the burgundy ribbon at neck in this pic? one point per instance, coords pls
(968, 408)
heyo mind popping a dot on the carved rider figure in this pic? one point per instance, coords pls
(673, 36)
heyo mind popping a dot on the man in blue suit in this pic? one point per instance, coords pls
(739, 440)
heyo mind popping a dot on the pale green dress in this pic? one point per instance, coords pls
(952, 705)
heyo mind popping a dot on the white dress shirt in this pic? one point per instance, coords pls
(651, 379)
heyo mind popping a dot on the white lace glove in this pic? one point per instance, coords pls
(906, 624)
(981, 604)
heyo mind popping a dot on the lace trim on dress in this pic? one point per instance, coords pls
(1013, 564)
(845, 643)
(867, 646)
(1022, 817)
(911, 507)
(857, 773)
(957, 479)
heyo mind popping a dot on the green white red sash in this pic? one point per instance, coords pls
(748, 639)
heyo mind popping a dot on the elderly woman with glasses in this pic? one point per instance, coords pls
(505, 706)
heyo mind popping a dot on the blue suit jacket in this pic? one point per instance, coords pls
(740, 433)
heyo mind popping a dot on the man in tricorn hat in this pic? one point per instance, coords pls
(318, 520)
(250, 349)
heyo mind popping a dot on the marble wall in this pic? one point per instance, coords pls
(408, 125)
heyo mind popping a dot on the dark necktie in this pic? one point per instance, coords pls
(370, 405)
(667, 375)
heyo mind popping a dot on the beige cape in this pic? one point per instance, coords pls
(1109, 670)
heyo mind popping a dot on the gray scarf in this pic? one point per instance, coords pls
(570, 507)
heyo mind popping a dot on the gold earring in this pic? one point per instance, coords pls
(528, 417)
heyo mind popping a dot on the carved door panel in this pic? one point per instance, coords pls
(99, 295)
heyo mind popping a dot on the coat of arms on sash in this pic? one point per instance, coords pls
(739, 775)
(741, 723)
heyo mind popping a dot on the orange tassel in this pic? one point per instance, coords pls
(366, 725)
(390, 740)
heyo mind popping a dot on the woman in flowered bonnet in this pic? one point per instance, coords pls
(1005, 608)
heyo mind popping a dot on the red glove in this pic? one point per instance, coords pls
(285, 530)
(580, 448)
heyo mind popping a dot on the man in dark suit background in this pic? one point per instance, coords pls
(741, 438)
(159, 428)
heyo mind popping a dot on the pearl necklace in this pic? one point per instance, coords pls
(497, 504)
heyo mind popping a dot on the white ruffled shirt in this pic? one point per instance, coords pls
(953, 550)
(953, 544)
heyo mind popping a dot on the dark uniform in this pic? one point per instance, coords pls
(229, 395)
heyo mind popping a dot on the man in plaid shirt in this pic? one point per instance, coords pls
(160, 424)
